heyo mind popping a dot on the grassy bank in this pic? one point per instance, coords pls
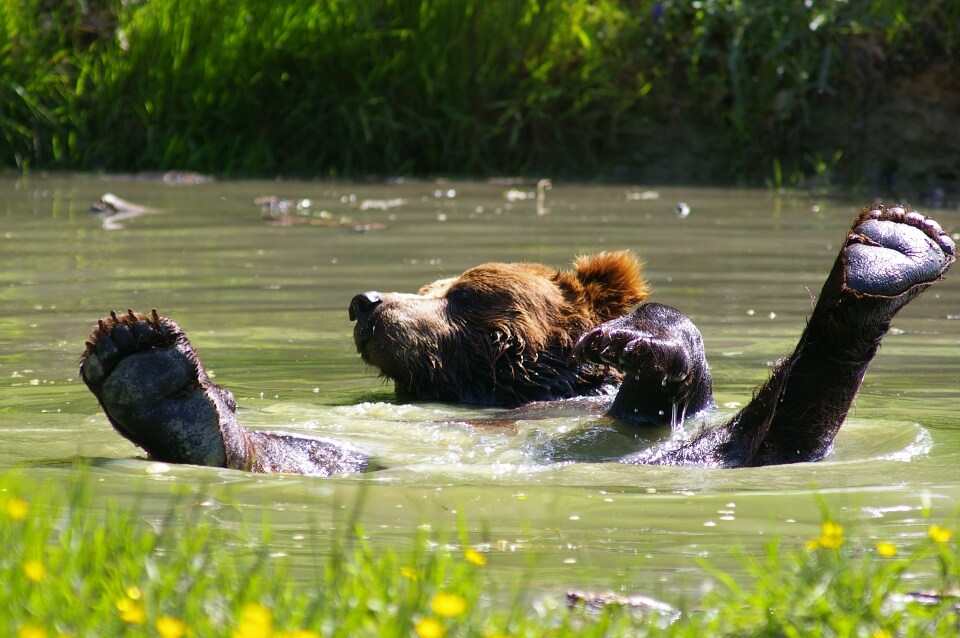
(72, 567)
(691, 91)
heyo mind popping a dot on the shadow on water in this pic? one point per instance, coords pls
(266, 306)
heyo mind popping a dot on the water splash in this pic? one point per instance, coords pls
(678, 413)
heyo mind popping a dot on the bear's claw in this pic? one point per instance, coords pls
(115, 337)
(627, 350)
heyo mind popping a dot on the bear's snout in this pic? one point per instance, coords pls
(364, 303)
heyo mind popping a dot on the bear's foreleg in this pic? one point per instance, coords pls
(660, 352)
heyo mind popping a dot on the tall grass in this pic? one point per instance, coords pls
(72, 567)
(351, 88)
(714, 89)
(37, 74)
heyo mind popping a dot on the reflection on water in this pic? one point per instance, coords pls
(266, 306)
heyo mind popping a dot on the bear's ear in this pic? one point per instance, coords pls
(612, 282)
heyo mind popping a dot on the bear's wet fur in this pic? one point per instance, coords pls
(510, 334)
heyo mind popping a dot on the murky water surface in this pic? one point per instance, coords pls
(266, 306)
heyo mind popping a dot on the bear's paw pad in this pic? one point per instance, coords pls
(154, 390)
(890, 250)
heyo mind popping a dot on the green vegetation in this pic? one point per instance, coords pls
(695, 91)
(70, 568)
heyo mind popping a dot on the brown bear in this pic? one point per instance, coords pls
(511, 334)
(505, 335)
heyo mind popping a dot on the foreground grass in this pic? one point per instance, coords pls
(72, 570)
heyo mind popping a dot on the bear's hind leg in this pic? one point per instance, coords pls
(154, 390)
(156, 393)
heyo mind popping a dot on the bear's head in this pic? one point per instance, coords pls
(499, 334)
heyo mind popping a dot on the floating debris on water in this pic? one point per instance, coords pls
(273, 206)
(110, 203)
(116, 210)
(596, 602)
(542, 187)
(381, 204)
(539, 194)
(643, 195)
(289, 212)
(186, 178)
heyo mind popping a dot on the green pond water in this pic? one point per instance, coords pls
(265, 304)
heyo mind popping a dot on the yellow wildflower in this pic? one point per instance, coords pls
(831, 536)
(885, 549)
(256, 621)
(429, 628)
(133, 592)
(34, 570)
(448, 605)
(170, 627)
(32, 631)
(940, 534)
(17, 509)
(296, 633)
(131, 611)
(475, 557)
(409, 573)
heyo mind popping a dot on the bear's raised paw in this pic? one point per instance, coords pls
(156, 393)
(889, 251)
(153, 389)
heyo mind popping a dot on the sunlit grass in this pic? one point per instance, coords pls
(70, 569)
(455, 86)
